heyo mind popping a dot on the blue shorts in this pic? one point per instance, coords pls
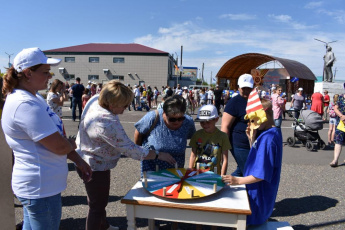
(332, 120)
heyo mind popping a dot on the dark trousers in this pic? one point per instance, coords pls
(133, 105)
(97, 190)
(71, 102)
(76, 102)
(297, 113)
(217, 105)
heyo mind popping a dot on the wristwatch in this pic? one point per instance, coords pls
(157, 153)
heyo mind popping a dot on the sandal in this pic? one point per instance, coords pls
(333, 165)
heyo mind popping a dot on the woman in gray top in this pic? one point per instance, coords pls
(297, 102)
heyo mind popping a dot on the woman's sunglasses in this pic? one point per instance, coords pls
(173, 119)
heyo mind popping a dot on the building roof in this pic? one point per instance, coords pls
(106, 48)
(244, 63)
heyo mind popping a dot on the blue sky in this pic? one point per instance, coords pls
(211, 32)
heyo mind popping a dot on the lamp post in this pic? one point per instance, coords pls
(176, 66)
(9, 59)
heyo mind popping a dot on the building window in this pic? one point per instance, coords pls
(70, 59)
(118, 77)
(118, 60)
(94, 59)
(69, 77)
(93, 77)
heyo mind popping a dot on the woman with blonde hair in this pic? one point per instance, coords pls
(101, 141)
(35, 135)
(56, 96)
(332, 120)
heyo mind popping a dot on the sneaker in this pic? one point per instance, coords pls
(113, 228)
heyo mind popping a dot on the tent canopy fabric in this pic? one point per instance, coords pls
(244, 63)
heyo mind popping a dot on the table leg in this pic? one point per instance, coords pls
(241, 222)
(151, 224)
(131, 217)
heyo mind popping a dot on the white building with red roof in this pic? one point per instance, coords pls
(101, 62)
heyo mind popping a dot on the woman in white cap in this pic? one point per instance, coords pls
(297, 102)
(34, 133)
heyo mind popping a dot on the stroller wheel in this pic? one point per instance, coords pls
(322, 145)
(291, 141)
(309, 145)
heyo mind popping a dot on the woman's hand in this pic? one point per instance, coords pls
(342, 117)
(81, 165)
(166, 157)
(230, 180)
(71, 140)
(85, 169)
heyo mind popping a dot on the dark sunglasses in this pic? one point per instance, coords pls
(173, 119)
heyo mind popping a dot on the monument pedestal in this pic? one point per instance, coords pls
(332, 88)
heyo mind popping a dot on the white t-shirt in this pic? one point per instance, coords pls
(37, 172)
(210, 95)
(53, 106)
(136, 92)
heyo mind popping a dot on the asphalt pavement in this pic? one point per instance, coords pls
(310, 196)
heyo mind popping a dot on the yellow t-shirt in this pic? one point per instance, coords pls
(209, 148)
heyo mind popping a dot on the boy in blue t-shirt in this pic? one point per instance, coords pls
(262, 169)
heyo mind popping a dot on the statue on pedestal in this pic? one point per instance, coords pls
(328, 64)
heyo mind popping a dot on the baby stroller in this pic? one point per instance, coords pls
(143, 105)
(306, 130)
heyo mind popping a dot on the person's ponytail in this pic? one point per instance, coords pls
(11, 80)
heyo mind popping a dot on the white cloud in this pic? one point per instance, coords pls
(242, 17)
(338, 15)
(215, 47)
(288, 20)
(313, 5)
(281, 18)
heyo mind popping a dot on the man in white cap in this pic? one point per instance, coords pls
(234, 124)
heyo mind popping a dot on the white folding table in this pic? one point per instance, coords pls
(228, 207)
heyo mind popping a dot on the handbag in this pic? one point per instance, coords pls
(149, 131)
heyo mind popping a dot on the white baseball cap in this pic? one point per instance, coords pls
(245, 80)
(206, 113)
(300, 89)
(30, 57)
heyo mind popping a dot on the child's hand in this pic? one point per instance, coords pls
(230, 180)
(251, 137)
(248, 130)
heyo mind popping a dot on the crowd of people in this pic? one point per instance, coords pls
(34, 131)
